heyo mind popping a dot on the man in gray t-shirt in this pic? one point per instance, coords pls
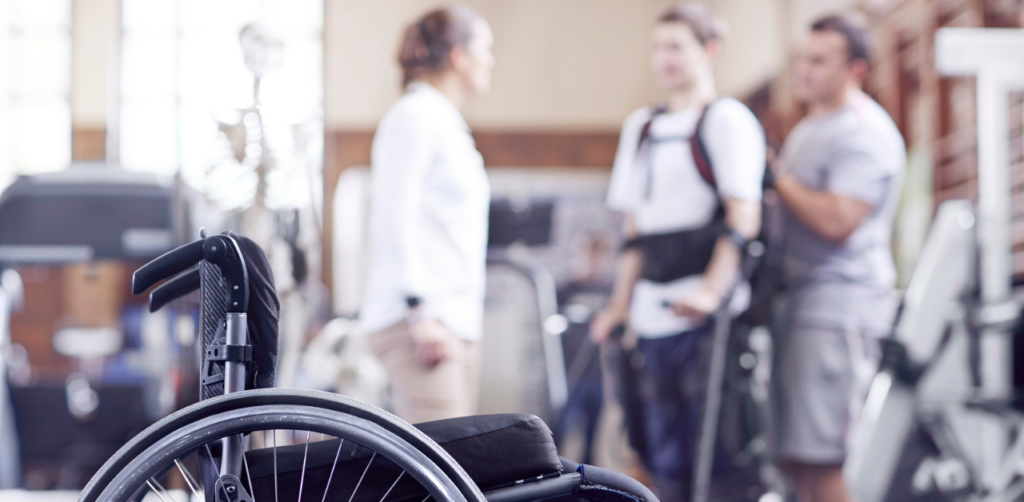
(838, 176)
(841, 267)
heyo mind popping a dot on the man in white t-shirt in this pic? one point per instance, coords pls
(685, 226)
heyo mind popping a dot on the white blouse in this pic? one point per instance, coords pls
(428, 218)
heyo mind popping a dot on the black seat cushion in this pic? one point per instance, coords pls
(497, 449)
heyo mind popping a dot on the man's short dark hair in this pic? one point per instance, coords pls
(858, 40)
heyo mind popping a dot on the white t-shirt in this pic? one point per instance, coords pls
(674, 197)
(431, 199)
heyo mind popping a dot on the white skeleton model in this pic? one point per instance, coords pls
(273, 230)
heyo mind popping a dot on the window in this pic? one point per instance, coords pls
(35, 76)
(183, 73)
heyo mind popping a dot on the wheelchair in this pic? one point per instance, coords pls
(248, 442)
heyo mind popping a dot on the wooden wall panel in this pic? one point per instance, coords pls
(88, 144)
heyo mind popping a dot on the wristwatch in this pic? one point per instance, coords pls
(415, 313)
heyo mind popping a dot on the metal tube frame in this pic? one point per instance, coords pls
(547, 306)
(234, 381)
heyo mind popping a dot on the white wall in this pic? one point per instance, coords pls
(94, 31)
(560, 63)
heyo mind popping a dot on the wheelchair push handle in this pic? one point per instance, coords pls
(220, 250)
(177, 287)
(167, 265)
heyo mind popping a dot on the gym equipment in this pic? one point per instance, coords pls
(940, 318)
(243, 444)
(85, 214)
(958, 304)
(511, 224)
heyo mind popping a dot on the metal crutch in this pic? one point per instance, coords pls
(705, 456)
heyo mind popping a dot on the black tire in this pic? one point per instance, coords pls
(284, 408)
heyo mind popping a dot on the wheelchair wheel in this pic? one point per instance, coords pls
(299, 445)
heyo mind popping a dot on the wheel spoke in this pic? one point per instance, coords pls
(273, 437)
(159, 490)
(360, 482)
(209, 457)
(248, 475)
(189, 480)
(191, 458)
(335, 464)
(302, 478)
(392, 486)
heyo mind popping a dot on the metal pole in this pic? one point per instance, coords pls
(234, 381)
(996, 272)
(10, 468)
(551, 341)
(705, 454)
(994, 223)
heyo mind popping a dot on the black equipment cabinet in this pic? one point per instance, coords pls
(86, 214)
(82, 215)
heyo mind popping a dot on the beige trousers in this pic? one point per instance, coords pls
(421, 394)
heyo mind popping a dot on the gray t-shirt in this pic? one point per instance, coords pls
(855, 151)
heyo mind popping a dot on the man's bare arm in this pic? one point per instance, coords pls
(830, 215)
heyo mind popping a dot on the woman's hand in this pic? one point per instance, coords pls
(602, 325)
(433, 341)
(699, 305)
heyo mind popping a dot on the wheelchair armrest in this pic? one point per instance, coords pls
(560, 486)
(588, 482)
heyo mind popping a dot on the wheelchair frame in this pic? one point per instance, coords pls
(228, 418)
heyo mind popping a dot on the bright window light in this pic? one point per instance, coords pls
(35, 77)
(183, 74)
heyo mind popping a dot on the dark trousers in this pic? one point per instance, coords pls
(676, 375)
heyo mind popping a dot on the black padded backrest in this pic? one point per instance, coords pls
(262, 315)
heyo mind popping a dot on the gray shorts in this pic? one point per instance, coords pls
(823, 377)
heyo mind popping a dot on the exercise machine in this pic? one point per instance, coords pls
(946, 372)
(70, 414)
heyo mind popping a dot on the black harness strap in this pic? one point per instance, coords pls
(700, 152)
(701, 158)
(673, 255)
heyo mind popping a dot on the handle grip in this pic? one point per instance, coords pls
(181, 285)
(166, 265)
